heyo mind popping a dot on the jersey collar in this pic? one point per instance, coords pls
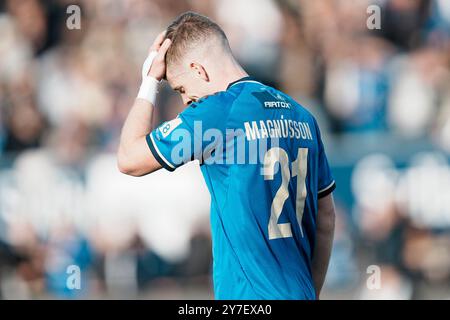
(244, 79)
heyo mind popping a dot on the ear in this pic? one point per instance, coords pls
(199, 71)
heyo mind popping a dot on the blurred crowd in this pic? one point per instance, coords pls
(381, 96)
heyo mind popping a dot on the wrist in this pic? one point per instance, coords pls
(148, 89)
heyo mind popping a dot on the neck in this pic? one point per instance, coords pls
(231, 73)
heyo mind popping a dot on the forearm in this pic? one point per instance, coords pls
(133, 156)
(323, 246)
(137, 125)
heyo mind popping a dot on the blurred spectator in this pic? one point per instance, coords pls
(254, 35)
(416, 88)
(356, 86)
(403, 22)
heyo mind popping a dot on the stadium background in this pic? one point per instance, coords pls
(382, 99)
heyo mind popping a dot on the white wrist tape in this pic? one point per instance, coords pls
(148, 90)
(149, 85)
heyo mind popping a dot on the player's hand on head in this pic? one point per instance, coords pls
(154, 69)
(157, 42)
(157, 53)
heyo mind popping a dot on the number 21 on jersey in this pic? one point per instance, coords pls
(299, 169)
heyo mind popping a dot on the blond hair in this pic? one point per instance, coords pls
(189, 30)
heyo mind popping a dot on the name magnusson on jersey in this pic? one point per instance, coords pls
(277, 128)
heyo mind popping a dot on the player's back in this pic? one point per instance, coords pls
(265, 196)
(265, 167)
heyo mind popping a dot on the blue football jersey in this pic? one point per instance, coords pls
(264, 163)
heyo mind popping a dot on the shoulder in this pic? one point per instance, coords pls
(221, 98)
(212, 110)
(217, 103)
(301, 109)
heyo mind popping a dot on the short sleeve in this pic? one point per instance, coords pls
(170, 143)
(326, 183)
(193, 135)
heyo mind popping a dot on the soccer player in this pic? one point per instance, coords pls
(261, 155)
